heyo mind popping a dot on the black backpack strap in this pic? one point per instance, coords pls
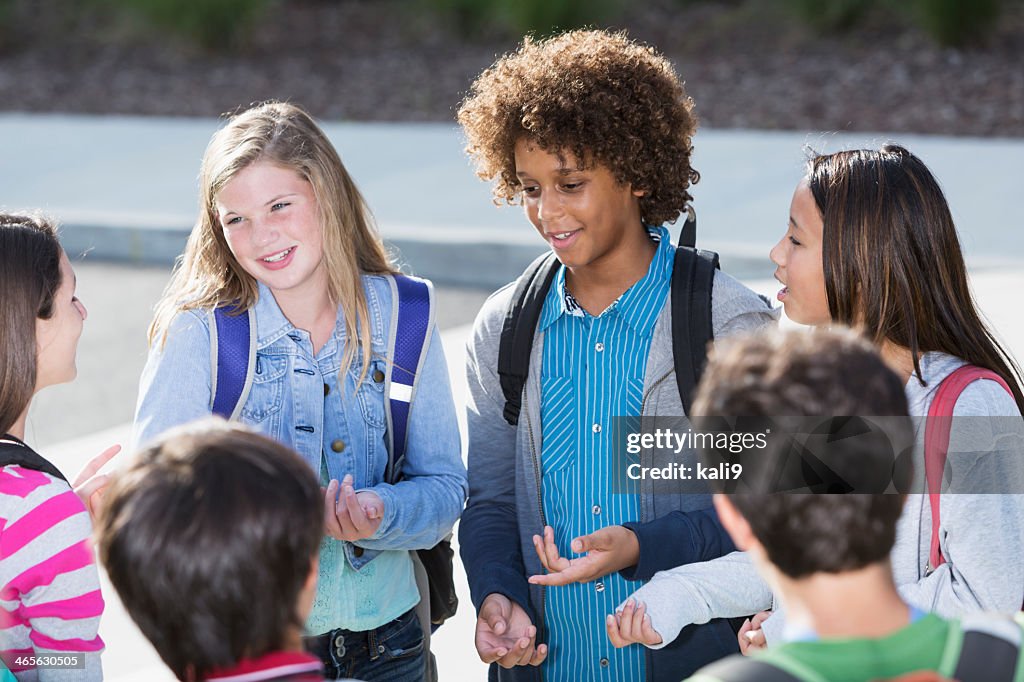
(739, 668)
(688, 233)
(14, 452)
(693, 277)
(990, 648)
(518, 329)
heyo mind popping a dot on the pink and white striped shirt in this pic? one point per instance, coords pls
(50, 601)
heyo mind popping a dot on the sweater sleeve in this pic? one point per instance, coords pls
(51, 601)
(727, 587)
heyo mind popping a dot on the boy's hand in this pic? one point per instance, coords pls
(89, 486)
(505, 635)
(608, 550)
(631, 624)
(351, 516)
(751, 636)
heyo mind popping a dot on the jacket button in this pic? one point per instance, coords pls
(358, 551)
(378, 376)
(338, 445)
(327, 389)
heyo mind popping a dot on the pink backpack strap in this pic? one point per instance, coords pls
(936, 440)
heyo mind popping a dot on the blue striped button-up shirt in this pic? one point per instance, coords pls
(592, 371)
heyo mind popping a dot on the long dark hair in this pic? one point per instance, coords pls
(29, 279)
(892, 259)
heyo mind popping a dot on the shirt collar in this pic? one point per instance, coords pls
(637, 305)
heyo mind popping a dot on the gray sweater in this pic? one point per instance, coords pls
(981, 535)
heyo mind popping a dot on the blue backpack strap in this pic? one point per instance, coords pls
(233, 358)
(412, 319)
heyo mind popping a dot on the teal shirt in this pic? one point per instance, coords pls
(592, 371)
(379, 592)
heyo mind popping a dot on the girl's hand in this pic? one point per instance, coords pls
(351, 516)
(630, 625)
(751, 636)
(89, 486)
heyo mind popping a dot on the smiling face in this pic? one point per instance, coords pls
(57, 337)
(799, 259)
(590, 220)
(271, 221)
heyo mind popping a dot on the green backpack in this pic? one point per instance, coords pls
(979, 648)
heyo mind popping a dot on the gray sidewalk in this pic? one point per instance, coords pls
(125, 189)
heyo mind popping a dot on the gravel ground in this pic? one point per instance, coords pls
(747, 63)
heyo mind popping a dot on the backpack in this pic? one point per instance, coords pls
(233, 354)
(936, 441)
(14, 451)
(979, 648)
(693, 276)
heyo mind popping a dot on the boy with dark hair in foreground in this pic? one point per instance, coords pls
(210, 538)
(827, 555)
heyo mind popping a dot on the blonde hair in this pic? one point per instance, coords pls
(207, 274)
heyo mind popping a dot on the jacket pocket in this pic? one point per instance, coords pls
(267, 391)
(371, 392)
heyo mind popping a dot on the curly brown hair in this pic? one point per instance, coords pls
(599, 95)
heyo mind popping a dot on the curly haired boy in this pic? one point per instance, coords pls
(592, 134)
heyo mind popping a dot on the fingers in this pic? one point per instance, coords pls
(95, 464)
(539, 654)
(759, 618)
(571, 574)
(648, 634)
(555, 560)
(756, 640)
(522, 651)
(332, 526)
(357, 520)
(611, 626)
(741, 637)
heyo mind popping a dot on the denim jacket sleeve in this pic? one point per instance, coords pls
(421, 509)
(175, 387)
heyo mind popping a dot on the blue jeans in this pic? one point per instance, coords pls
(392, 652)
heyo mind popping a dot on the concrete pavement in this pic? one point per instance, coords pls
(125, 188)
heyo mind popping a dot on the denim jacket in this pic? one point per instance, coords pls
(290, 391)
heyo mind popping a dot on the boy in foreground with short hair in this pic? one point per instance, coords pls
(210, 538)
(827, 555)
(592, 134)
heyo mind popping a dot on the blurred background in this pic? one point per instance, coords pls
(923, 66)
(106, 107)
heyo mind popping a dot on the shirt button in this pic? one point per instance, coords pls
(604, 662)
(599, 586)
(596, 428)
(378, 376)
(327, 389)
(596, 509)
(599, 347)
(358, 551)
(337, 445)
